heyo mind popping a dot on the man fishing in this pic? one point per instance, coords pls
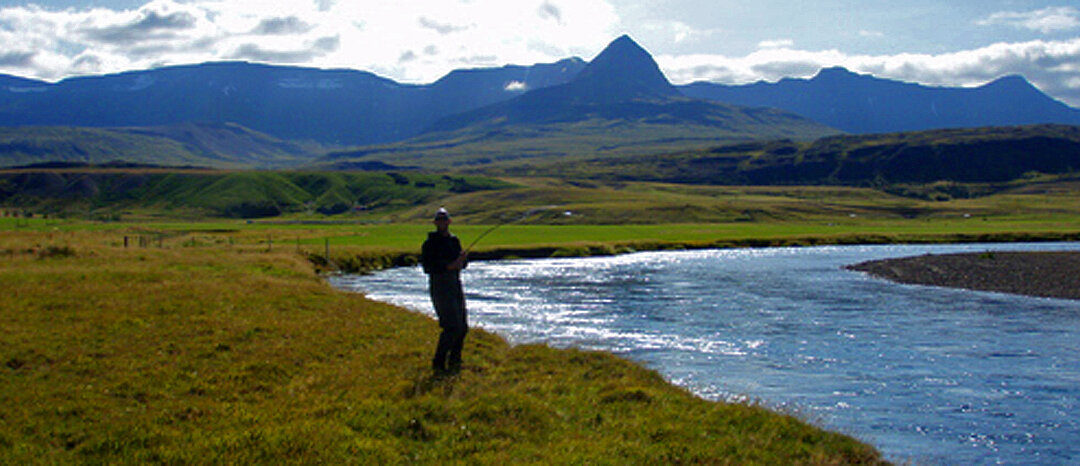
(443, 259)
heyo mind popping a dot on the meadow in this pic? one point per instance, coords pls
(210, 346)
(153, 335)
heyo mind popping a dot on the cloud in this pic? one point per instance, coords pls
(315, 49)
(775, 44)
(256, 52)
(150, 25)
(1046, 20)
(17, 59)
(549, 11)
(441, 28)
(679, 32)
(1050, 65)
(382, 38)
(515, 86)
(282, 26)
(53, 43)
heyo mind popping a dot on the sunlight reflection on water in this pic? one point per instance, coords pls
(924, 373)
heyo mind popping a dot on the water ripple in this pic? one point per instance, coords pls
(926, 374)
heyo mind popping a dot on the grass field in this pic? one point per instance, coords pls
(192, 340)
(227, 351)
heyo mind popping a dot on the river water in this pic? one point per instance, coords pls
(926, 374)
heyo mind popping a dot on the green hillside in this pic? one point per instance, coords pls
(979, 155)
(599, 138)
(201, 145)
(241, 194)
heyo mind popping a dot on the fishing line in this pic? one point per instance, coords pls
(527, 214)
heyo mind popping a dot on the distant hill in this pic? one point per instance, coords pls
(619, 103)
(189, 144)
(342, 107)
(858, 103)
(979, 155)
(242, 194)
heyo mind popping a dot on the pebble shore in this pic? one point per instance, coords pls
(1041, 274)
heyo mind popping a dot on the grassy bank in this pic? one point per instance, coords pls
(361, 245)
(217, 348)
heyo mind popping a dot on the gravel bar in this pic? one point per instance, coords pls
(1051, 274)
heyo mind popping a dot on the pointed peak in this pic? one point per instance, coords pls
(1011, 80)
(623, 41)
(622, 48)
(835, 72)
(1013, 84)
(625, 67)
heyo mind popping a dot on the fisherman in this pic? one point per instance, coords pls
(443, 259)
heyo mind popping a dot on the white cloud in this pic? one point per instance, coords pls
(282, 25)
(1050, 65)
(430, 38)
(776, 43)
(420, 43)
(1046, 20)
(678, 32)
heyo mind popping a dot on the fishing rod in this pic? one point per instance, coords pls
(527, 214)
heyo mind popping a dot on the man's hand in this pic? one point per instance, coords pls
(458, 263)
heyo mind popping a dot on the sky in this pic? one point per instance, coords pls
(932, 42)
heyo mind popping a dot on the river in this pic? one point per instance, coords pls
(926, 374)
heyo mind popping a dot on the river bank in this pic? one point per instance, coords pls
(790, 327)
(365, 260)
(1040, 274)
(244, 355)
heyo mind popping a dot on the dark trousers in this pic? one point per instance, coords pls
(449, 301)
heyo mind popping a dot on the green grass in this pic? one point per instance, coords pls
(244, 355)
(227, 353)
(235, 194)
(989, 155)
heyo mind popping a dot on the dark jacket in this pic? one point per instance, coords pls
(438, 252)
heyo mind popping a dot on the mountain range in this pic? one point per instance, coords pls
(357, 108)
(619, 104)
(861, 104)
(334, 107)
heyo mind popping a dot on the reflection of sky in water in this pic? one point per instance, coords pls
(924, 373)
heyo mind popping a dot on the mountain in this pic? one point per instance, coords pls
(619, 103)
(622, 71)
(341, 107)
(858, 103)
(188, 144)
(623, 83)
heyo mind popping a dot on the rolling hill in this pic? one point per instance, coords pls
(188, 144)
(975, 155)
(238, 194)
